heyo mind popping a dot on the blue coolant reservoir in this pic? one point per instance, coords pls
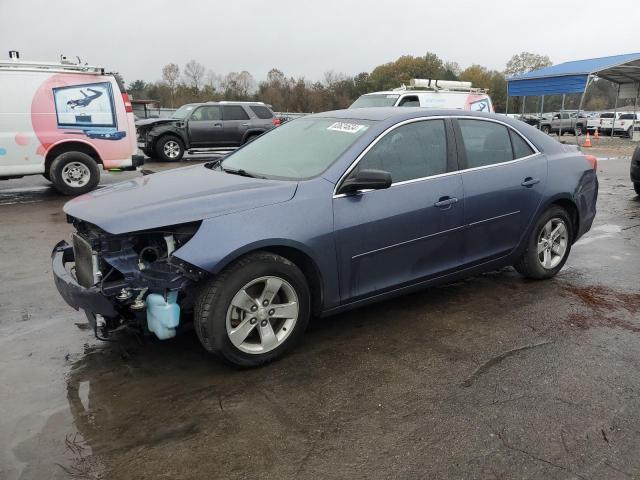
(163, 316)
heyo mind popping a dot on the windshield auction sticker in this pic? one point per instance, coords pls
(346, 127)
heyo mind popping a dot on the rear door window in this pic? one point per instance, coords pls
(485, 143)
(411, 151)
(234, 112)
(261, 112)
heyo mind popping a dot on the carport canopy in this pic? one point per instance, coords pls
(572, 77)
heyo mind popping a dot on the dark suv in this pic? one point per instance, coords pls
(204, 125)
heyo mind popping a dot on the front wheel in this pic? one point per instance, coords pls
(254, 311)
(546, 129)
(170, 149)
(636, 187)
(74, 173)
(548, 245)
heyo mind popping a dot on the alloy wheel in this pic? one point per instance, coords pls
(262, 315)
(171, 149)
(553, 241)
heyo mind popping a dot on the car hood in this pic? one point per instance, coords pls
(148, 122)
(174, 197)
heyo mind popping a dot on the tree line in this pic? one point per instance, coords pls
(195, 83)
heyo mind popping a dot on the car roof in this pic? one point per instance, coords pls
(228, 102)
(415, 90)
(400, 113)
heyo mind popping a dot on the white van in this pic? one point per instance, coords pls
(63, 121)
(444, 94)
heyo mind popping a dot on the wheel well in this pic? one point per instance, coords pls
(309, 269)
(71, 147)
(571, 208)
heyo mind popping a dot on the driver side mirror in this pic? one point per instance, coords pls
(367, 179)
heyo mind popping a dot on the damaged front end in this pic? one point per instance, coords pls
(127, 280)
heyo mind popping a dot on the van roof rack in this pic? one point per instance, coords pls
(62, 66)
(440, 86)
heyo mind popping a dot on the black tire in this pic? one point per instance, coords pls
(630, 132)
(66, 166)
(250, 138)
(214, 301)
(172, 143)
(530, 264)
(46, 175)
(546, 129)
(636, 187)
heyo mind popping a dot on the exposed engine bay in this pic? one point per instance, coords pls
(137, 273)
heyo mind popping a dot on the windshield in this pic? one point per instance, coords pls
(378, 100)
(301, 148)
(183, 112)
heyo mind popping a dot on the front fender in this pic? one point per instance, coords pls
(162, 130)
(304, 223)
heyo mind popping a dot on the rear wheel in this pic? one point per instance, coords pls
(170, 149)
(546, 129)
(630, 132)
(254, 311)
(548, 245)
(74, 173)
(636, 187)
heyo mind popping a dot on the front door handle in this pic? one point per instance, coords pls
(530, 182)
(445, 202)
(217, 125)
(245, 124)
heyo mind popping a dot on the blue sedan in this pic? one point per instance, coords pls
(326, 213)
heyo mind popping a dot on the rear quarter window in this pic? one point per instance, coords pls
(234, 112)
(261, 112)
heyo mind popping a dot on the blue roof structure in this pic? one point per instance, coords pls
(571, 77)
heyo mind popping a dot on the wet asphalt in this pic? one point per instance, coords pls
(494, 377)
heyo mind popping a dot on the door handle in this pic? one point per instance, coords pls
(445, 202)
(217, 125)
(530, 182)
(245, 124)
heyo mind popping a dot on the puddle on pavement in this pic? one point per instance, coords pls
(600, 232)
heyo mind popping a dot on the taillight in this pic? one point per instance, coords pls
(593, 161)
(127, 103)
(276, 122)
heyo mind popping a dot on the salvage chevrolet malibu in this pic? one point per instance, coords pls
(329, 212)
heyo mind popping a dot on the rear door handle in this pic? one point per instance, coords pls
(530, 182)
(245, 124)
(217, 125)
(445, 202)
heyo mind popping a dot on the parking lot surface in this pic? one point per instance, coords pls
(491, 377)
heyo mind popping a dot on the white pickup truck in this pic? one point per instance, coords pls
(607, 121)
(624, 124)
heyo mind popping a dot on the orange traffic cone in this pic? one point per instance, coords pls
(587, 142)
(596, 135)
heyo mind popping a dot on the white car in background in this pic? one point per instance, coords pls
(427, 93)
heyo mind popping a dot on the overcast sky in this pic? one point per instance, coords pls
(311, 37)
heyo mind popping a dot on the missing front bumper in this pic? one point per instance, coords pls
(88, 299)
